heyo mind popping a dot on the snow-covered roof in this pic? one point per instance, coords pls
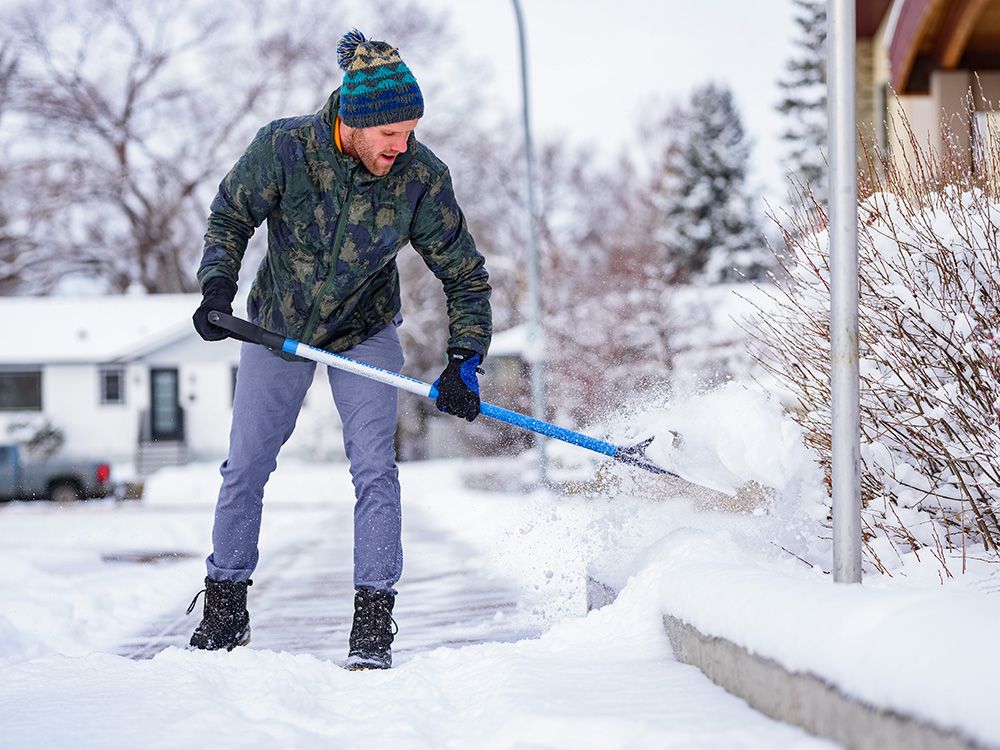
(43, 330)
(510, 343)
(78, 329)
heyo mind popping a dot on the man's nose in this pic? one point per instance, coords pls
(400, 144)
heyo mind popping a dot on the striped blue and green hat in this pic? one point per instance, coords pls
(378, 88)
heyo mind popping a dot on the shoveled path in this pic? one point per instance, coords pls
(302, 597)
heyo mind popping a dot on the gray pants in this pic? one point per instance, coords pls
(269, 395)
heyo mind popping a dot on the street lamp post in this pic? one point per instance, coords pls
(845, 380)
(536, 348)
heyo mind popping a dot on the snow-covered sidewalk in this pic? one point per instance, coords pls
(303, 595)
(603, 680)
(576, 687)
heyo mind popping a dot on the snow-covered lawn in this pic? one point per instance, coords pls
(600, 680)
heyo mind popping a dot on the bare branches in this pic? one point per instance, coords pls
(137, 110)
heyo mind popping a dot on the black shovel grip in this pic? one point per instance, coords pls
(246, 330)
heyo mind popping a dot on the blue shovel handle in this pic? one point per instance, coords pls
(633, 455)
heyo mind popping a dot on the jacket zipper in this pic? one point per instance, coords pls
(338, 238)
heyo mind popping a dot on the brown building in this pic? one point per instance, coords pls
(930, 60)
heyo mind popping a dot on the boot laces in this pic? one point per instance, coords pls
(194, 601)
(385, 611)
(376, 615)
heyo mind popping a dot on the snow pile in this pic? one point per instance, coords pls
(930, 368)
(755, 578)
(735, 440)
(724, 438)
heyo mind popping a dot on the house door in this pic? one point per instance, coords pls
(8, 471)
(165, 411)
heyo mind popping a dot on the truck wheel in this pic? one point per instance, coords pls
(64, 492)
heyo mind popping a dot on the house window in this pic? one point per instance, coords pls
(21, 391)
(113, 386)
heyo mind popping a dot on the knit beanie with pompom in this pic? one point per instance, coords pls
(378, 88)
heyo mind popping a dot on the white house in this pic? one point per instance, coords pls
(128, 379)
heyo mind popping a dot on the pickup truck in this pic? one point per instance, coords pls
(56, 478)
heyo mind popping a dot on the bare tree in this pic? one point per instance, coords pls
(12, 243)
(114, 187)
(23, 262)
(137, 110)
(609, 324)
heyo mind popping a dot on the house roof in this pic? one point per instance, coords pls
(518, 342)
(510, 343)
(941, 35)
(50, 330)
(78, 330)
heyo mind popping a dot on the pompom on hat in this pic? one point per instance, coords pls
(378, 88)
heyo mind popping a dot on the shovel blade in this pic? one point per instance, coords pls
(635, 455)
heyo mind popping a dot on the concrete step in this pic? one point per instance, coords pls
(152, 456)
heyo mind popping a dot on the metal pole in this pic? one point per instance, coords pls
(536, 347)
(845, 380)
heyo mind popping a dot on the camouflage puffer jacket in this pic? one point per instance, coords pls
(329, 277)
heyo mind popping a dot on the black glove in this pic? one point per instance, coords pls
(217, 295)
(458, 386)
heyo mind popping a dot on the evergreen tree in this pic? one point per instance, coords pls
(710, 232)
(803, 99)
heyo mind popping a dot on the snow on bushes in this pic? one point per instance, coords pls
(929, 261)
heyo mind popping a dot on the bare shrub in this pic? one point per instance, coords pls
(929, 265)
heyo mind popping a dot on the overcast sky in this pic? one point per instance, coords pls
(596, 64)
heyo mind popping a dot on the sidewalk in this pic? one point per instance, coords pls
(302, 599)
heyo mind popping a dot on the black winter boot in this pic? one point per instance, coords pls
(225, 622)
(373, 630)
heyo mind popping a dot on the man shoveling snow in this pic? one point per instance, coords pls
(342, 192)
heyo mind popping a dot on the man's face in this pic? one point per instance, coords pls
(378, 147)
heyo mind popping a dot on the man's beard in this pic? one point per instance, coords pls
(368, 155)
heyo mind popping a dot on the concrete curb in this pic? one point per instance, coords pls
(806, 700)
(802, 699)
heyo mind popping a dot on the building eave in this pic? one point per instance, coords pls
(929, 35)
(868, 16)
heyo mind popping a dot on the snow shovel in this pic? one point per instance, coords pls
(633, 455)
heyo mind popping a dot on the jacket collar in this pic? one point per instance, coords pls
(323, 123)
